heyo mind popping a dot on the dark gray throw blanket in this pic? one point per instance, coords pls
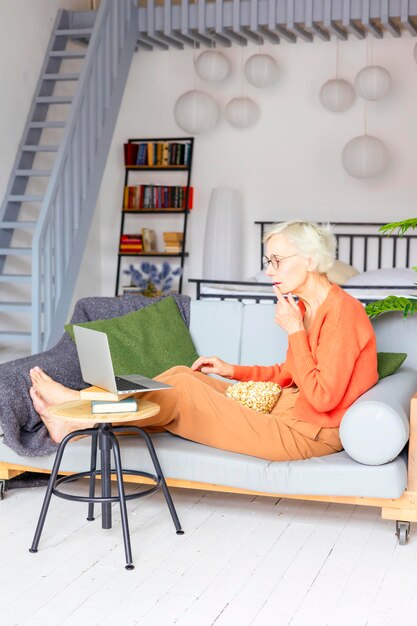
(23, 430)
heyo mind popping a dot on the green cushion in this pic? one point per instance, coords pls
(389, 362)
(148, 341)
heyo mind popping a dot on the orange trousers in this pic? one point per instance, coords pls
(197, 408)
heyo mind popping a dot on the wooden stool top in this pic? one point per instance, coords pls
(81, 410)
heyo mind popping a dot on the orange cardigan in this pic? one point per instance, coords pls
(332, 365)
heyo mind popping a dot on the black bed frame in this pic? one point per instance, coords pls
(359, 244)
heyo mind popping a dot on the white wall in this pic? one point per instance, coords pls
(288, 165)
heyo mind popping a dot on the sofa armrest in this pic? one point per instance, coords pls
(375, 428)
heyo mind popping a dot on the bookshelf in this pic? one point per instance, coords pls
(157, 199)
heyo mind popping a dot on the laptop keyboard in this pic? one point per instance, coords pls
(126, 385)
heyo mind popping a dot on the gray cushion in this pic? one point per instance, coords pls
(375, 428)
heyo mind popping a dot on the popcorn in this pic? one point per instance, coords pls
(259, 396)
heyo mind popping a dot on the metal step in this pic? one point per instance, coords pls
(33, 173)
(59, 77)
(54, 99)
(67, 54)
(24, 198)
(15, 278)
(17, 225)
(15, 251)
(40, 148)
(15, 307)
(73, 32)
(15, 335)
(47, 125)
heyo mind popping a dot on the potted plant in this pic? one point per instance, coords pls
(395, 303)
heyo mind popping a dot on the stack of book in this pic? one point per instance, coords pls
(173, 242)
(131, 244)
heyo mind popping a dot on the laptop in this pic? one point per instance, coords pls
(97, 367)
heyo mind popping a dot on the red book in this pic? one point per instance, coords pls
(130, 153)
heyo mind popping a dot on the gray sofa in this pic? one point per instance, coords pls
(375, 468)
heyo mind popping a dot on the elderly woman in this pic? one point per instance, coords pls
(331, 360)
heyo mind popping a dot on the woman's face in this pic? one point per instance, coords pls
(292, 272)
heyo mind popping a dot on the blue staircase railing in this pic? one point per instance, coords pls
(68, 206)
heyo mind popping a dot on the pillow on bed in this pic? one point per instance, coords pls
(398, 276)
(340, 272)
(148, 341)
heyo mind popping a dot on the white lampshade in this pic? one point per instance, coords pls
(242, 112)
(337, 95)
(213, 66)
(373, 82)
(261, 70)
(222, 253)
(365, 156)
(196, 112)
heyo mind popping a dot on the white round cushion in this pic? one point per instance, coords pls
(376, 428)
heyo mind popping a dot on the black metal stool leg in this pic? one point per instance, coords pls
(159, 473)
(105, 444)
(93, 467)
(50, 487)
(122, 501)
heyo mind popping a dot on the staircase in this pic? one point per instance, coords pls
(56, 176)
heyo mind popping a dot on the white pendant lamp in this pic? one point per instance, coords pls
(196, 112)
(242, 112)
(365, 156)
(337, 95)
(261, 70)
(373, 82)
(212, 66)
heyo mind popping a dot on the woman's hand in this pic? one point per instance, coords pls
(213, 365)
(287, 313)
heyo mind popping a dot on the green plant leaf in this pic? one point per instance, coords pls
(392, 303)
(401, 227)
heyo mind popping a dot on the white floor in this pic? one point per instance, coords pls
(241, 561)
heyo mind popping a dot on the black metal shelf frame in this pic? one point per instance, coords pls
(184, 212)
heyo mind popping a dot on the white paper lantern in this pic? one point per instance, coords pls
(213, 66)
(196, 112)
(365, 156)
(373, 82)
(337, 95)
(261, 70)
(242, 112)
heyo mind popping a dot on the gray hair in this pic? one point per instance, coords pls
(311, 240)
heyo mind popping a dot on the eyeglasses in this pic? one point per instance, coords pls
(275, 260)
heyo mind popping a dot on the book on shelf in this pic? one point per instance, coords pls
(149, 240)
(128, 405)
(137, 197)
(131, 243)
(173, 249)
(157, 153)
(173, 236)
(130, 153)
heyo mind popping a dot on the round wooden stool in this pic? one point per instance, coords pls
(103, 436)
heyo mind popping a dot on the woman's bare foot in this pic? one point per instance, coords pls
(57, 428)
(49, 390)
